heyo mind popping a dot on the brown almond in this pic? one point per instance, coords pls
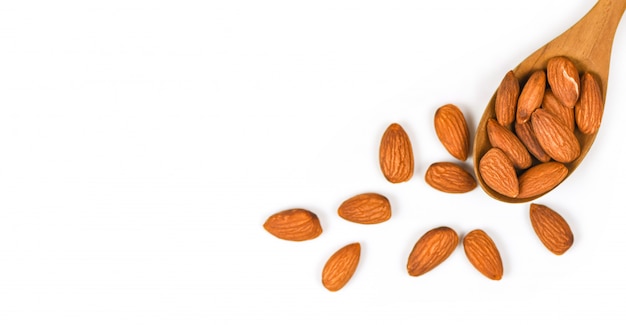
(531, 96)
(554, 137)
(449, 178)
(482, 252)
(590, 107)
(563, 79)
(524, 132)
(396, 154)
(498, 172)
(541, 179)
(341, 266)
(434, 247)
(506, 99)
(551, 228)
(366, 208)
(502, 138)
(553, 105)
(294, 225)
(452, 130)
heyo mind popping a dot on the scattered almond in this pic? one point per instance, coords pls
(590, 107)
(434, 247)
(340, 267)
(554, 137)
(449, 177)
(531, 96)
(551, 228)
(366, 208)
(482, 252)
(497, 170)
(506, 99)
(396, 155)
(452, 131)
(294, 225)
(563, 79)
(502, 138)
(541, 179)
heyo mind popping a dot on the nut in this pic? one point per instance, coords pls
(498, 172)
(525, 133)
(366, 208)
(502, 138)
(452, 131)
(482, 252)
(551, 228)
(554, 137)
(541, 178)
(340, 267)
(531, 96)
(449, 177)
(396, 154)
(506, 99)
(589, 108)
(563, 79)
(294, 225)
(434, 247)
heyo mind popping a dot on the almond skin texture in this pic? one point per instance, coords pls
(551, 228)
(449, 178)
(482, 252)
(552, 105)
(396, 155)
(294, 225)
(434, 247)
(554, 137)
(452, 131)
(506, 99)
(525, 133)
(366, 208)
(340, 267)
(563, 80)
(531, 96)
(502, 138)
(541, 179)
(498, 172)
(590, 107)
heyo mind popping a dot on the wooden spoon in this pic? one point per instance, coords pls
(588, 44)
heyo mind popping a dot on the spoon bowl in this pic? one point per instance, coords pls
(588, 45)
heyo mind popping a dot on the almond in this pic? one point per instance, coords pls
(452, 131)
(541, 179)
(396, 154)
(498, 172)
(502, 138)
(340, 267)
(551, 228)
(434, 247)
(525, 133)
(482, 252)
(590, 107)
(294, 225)
(366, 208)
(506, 99)
(554, 137)
(531, 96)
(552, 105)
(563, 79)
(449, 177)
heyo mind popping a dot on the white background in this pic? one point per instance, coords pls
(144, 143)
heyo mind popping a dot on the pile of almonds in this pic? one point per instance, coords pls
(534, 133)
(533, 137)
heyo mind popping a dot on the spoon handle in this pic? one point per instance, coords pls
(588, 42)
